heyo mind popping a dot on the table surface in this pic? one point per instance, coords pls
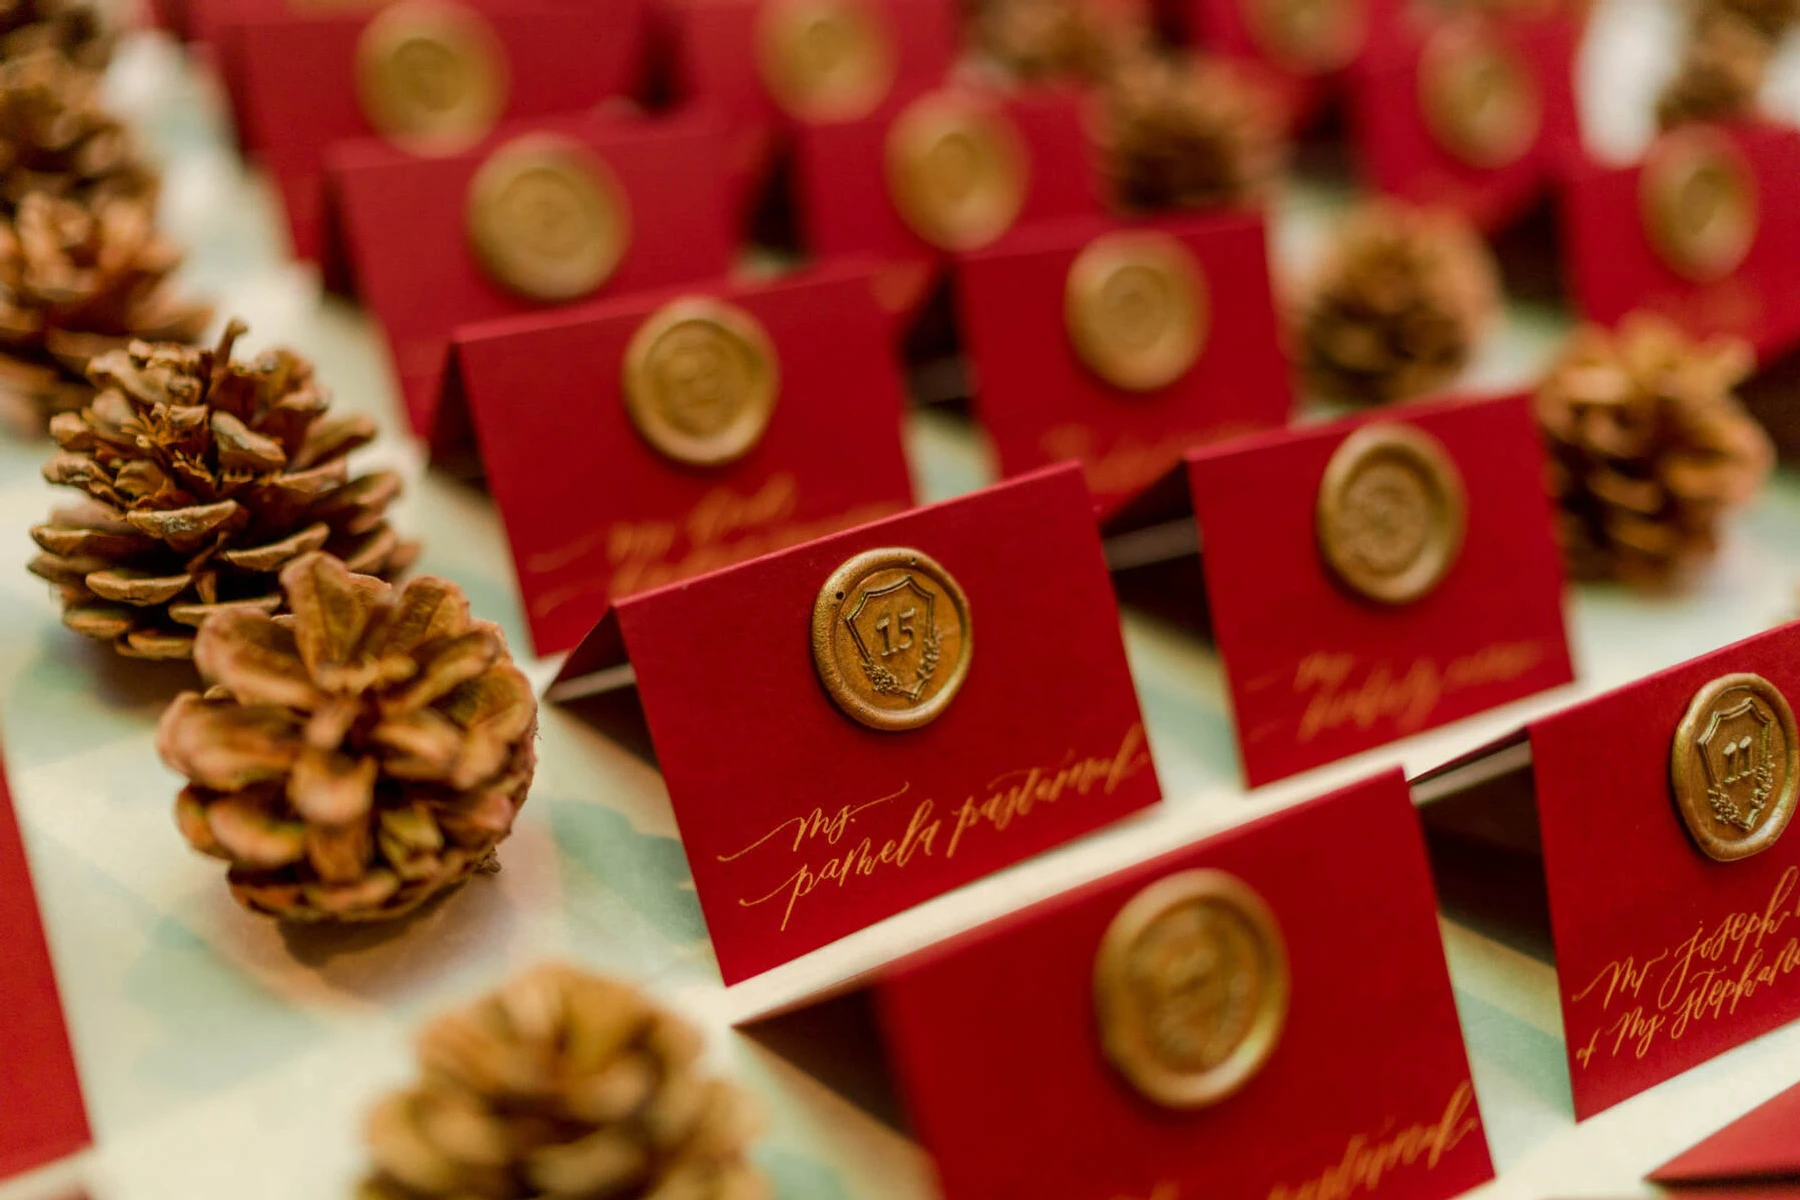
(222, 1057)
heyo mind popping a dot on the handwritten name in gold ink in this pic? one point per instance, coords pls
(1707, 976)
(1368, 1160)
(1347, 690)
(831, 854)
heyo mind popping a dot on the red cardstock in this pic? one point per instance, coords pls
(995, 1041)
(801, 825)
(1613, 266)
(714, 63)
(295, 81)
(592, 511)
(1762, 1147)
(1401, 155)
(1318, 672)
(1224, 27)
(405, 221)
(841, 189)
(1664, 957)
(1041, 404)
(42, 1117)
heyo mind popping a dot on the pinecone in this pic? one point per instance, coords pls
(1770, 18)
(1398, 305)
(1036, 40)
(1188, 132)
(1649, 448)
(356, 757)
(203, 478)
(75, 29)
(76, 282)
(1722, 69)
(55, 137)
(562, 1084)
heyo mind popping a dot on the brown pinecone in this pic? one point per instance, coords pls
(76, 29)
(356, 757)
(1036, 40)
(1649, 448)
(204, 477)
(1398, 305)
(1188, 132)
(56, 137)
(562, 1084)
(1770, 18)
(76, 282)
(1722, 68)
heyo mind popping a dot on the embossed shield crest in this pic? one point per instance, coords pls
(896, 635)
(1736, 754)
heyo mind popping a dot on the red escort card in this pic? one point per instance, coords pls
(1471, 114)
(595, 510)
(1674, 898)
(1123, 346)
(1696, 231)
(855, 725)
(1374, 577)
(729, 56)
(42, 1117)
(932, 172)
(299, 86)
(634, 204)
(1760, 1148)
(1302, 51)
(1258, 1016)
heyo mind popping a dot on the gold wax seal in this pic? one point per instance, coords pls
(1136, 309)
(1735, 766)
(957, 171)
(1311, 37)
(547, 218)
(1479, 98)
(701, 377)
(824, 60)
(1191, 988)
(431, 76)
(1699, 202)
(891, 638)
(1391, 512)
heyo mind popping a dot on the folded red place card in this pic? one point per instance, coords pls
(1658, 811)
(854, 725)
(670, 434)
(42, 1117)
(1370, 578)
(1694, 232)
(1300, 49)
(765, 63)
(547, 212)
(1761, 1147)
(429, 75)
(940, 171)
(1123, 346)
(1258, 1016)
(1472, 114)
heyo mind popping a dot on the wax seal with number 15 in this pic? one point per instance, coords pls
(957, 170)
(1391, 513)
(1135, 306)
(1479, 98)
(1699, 202)
(1191, 988)
(1735, 766)
(701, 377)
(891, 638)
(547, 218)
(431, 76)
(825, 60)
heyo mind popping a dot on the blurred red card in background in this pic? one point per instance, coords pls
(1123, 345)
(1761, 1147)
(1302, 50)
